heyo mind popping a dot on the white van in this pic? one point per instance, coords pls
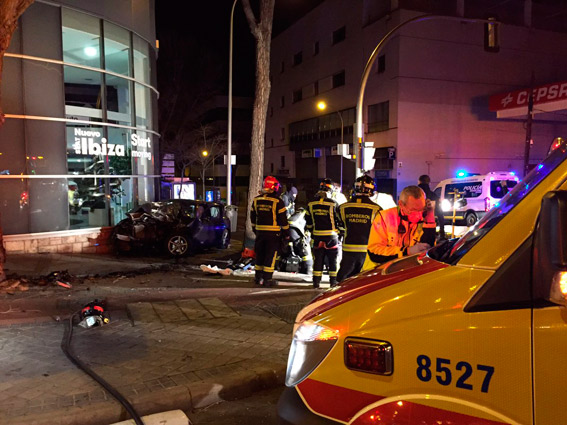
(478, 193)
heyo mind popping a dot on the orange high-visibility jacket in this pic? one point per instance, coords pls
(386, 242)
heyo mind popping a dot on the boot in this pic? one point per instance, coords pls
(316, 281)
(333, 281)
(259, 277)
(270, 283)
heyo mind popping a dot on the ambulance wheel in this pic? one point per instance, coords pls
(177, 245)
(470, 219)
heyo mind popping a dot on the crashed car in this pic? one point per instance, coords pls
(178, 227)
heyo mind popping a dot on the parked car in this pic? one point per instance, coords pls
(177, 226)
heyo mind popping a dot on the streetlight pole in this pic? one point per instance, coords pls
(342, 145)
(359, 149)
(229, 133)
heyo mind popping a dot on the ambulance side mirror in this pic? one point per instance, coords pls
(550, 250)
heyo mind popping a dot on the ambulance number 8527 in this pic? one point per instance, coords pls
(443, 370)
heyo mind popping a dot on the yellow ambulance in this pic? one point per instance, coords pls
(474, 332)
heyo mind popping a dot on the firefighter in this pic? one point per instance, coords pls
(323, 222)
(357, 216)
(269, 223)
(397, 232)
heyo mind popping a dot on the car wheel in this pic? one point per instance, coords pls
(225, 239)
(470, 219)
(177, 245)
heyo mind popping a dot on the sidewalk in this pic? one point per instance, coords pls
(182, 354)
(178, 339)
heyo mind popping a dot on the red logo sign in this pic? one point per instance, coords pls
(516, 99)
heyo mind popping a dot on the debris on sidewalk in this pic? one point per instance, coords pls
(63, 284)
(60, 278)
(215, 270)
(10, 286)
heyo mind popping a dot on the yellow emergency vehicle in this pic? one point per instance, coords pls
(474, 332)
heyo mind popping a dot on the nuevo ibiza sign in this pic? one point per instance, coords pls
(91, 142)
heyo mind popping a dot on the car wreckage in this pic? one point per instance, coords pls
(178, 227)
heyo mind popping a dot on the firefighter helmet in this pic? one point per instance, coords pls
(271, 184)
(326, 185)
(364, 185)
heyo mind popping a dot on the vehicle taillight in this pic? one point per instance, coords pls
(369, 356)
(487, 204)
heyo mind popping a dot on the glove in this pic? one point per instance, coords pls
(418, 247)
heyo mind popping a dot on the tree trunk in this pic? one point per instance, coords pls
(10, 12)
(262, 31)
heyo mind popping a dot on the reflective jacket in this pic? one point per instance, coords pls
(322, 217)
(357, 216)
(386, 242)
(268, 213)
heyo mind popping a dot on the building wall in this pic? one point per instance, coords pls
(38, 142)
(437, 80)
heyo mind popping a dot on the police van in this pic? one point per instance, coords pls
(472, 332)
(476, 194)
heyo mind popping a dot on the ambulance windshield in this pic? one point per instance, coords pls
(507, 203)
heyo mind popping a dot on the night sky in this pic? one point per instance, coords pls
(207, 26)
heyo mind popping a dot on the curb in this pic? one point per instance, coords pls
(199, 395)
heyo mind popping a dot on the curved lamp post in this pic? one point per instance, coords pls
(427, 17)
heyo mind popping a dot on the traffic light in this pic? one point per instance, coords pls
(492, 35)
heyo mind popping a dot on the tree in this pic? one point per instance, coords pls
(200, 147)
(10, 12)
(262, 32)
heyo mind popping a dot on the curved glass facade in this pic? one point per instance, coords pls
(80, 132)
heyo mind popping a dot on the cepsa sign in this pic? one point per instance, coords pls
(519, 98)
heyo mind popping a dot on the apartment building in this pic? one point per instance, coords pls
(426, 105)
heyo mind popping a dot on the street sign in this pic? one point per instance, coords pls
(232, 160)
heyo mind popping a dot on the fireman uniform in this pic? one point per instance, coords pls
(357, 217)
(323, 222)
(269, 222)
(390, 237)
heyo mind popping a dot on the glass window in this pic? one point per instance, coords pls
(214, 212)
(339, 35)
(499, 188)
(83, 94)
(81, 38)
(142, 152)
(379, 117)
(297, 95)
(116, 49)
(119, 155)
(467, 189)
(118, 100)
(142, 68)
(339, 79)
(297, 58)
(143, 107)
(145, 189)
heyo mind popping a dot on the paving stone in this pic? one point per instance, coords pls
(142, 312)
(193, 309)
(169, 312)
(218, 308)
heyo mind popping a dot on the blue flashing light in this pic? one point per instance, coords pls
(461, 174)
(540, 166)
(513, 173)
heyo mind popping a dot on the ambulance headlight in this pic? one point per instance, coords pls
(446, 205)
(311, 344)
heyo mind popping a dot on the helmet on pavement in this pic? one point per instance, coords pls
(271, 184)
(364, 185)
(326, 185)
